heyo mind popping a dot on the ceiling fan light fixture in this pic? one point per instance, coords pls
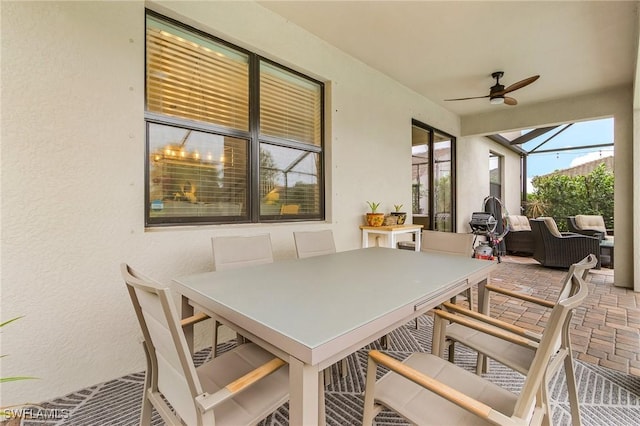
(496, 100)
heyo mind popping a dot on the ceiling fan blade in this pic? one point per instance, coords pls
(510, 101)
(519, 85)
(464, 99)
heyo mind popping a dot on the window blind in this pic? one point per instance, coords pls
(195, 78)
(290, 106)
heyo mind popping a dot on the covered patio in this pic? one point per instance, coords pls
(604, 336)
(75, 153)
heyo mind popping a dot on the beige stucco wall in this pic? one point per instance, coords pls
(617, 103)
(473, 178)
(636, 163)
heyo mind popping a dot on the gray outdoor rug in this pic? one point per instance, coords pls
(607, 397)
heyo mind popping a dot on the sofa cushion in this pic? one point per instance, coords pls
(551, 225)
(519, 223)
(595, 222)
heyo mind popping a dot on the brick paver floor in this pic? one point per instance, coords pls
(605, 331)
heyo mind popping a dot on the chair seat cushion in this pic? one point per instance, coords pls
(249, 406)
(514, 356)
(426, 408)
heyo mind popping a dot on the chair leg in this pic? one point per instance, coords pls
(470, 298)
(482, 364)
(542, 401)
(344, 368)
(438, 339)
(146, 410)
(384, 341)
(369, 408)
(572, 389)
(145, 414)
(214, 347)
(452, 351)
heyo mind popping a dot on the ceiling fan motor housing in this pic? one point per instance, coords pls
(496, 89)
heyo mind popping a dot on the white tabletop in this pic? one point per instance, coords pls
(309, 302)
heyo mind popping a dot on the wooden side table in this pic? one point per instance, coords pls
(391, 232)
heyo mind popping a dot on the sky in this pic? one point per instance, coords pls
(585, 133)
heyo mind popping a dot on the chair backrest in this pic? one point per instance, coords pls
(171, 367)
(447, 242)
(314, 243)
(239, 251)
(559, 320)
(551, 226)
(592, 222)
(290, 209)
(581, 269)
(518, 223)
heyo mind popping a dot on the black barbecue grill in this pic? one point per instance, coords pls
(482, 223)
(489, 225)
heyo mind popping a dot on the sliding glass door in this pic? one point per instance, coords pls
(433, 186)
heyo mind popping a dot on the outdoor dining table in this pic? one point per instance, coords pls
(313, 312)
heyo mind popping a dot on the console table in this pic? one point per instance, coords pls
(391, 232)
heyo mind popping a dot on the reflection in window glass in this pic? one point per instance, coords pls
(432, 161)
(442, 185)
(193, 173)
(289, 181)
(495, 175)
(420, 172)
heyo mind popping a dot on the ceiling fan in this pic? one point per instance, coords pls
(497, 92)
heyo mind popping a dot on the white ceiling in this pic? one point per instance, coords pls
(448, 49)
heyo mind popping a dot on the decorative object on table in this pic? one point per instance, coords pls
(374, 218)
(390, 220)
(402, 216)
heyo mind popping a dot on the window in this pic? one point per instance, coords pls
(495, 175)
(432, 161)
(231, 136)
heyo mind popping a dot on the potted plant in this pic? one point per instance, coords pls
(402, 216)
(374, 218)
